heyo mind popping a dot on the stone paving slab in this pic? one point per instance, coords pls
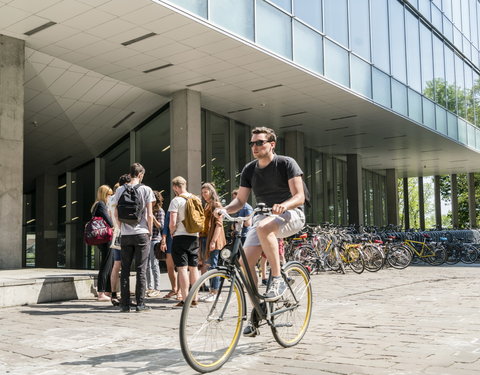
(421, 320)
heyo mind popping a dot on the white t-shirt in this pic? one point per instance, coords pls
(178, 205)
(146, 194)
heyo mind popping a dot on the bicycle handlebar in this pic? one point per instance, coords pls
(262, 209)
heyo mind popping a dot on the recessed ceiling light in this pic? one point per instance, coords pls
(333, 129)
(40, 28)
(395, 136)
(157, 68)
(267, 88)
(200, 83)
(123, 120)
(435, 150)
(293, 114)
(240, 110)
(290, 126)
(342, 118)
(330, 145)
(458, 161)
(361, 148)
(143, 37)
(354, 135)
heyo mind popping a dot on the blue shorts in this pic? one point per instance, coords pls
(117, 255)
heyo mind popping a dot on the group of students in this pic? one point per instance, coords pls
(191, 257)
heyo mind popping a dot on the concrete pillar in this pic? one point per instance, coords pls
(46, 190)
(354, 190)
(295, 147)
(454, 184)
(185, 138)
(472, 206)
(392, 196)
(421, 203)
(406, 203)
(12, 61)
(438, 206)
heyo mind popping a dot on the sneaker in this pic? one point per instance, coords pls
(154, 293)
(275, 290)
(250, 330)
(124, 309)
(142, 308)
(210, 298)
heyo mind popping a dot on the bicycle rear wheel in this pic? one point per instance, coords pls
(209, 331)
(469, 254)
(374, 258)
(399, 257)
(291, 314)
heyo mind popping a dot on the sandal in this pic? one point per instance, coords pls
(169, 295)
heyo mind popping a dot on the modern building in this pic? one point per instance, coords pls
(361, 93)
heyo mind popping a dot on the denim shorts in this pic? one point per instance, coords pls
(117, 255)
(289, 223)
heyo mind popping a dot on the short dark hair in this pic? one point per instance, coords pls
(124, 179)
(136, 169)
(271, 136)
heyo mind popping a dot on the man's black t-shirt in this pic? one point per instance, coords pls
(270, 184)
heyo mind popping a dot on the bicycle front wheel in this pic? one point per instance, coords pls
(292, 312)
(210, 328)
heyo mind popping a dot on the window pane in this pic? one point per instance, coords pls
(381, 88)
(219, 140)
(428, 87)
(450, 78)
(460, 84)
(437, 18)
(117, 162)
(284, 4)
(308, 48)
(470, 117)
(195, 6)
(452, 126)
(439, 71)
(462, 131)
(399, 97)
(471, 135)
(361, 76)
(336, 63)
(447, 28)
(273, 29)
(309, 12)
(336, 20)
(397, 41)
(360, 28)
(379, 20)
(415, 106)
(233, 15)
(465, 18)
(424, 8)
(441, 118)
(242, 151)
(429, 113)
(413, 52)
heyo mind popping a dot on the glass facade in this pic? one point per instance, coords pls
(395, 53)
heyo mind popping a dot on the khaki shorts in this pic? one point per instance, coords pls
(289, 223)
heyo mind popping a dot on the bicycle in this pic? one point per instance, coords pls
(209, 332)
(432, 253)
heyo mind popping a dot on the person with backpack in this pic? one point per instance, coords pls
(186, 221)
(99, 209)
(135, 213)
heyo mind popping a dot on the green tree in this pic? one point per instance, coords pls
(414, 204)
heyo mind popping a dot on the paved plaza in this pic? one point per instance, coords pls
(421, 320)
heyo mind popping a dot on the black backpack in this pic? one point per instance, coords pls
(130, 205)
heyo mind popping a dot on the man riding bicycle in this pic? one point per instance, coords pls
(276, 181)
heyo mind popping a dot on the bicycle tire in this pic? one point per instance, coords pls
(469, 254)
(289, 327)
(375, 258)
(399, 257)
(208, 338)
(355, 260)
(439, 257)
(332, 260)
(453, 256)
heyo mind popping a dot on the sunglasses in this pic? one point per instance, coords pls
(258, 143)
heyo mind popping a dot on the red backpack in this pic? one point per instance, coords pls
(97, 231)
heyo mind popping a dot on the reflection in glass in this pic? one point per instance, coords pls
(460, 86)
(336, 20)
(462, 131)
(452, 126)
(29, 228)
(437, 18)
(153, 152)
(309, 12)
(424, 8)
(428, 86)
(242, 153)
(471, 141)
(308, 48)
(219, 140)
(336, 63)
(379, 23)
(381, 88)
(469, 107)
(117, 162)
(413, 52)
(397, 41)
(233, 15)
(415, 106)
(429, 113)
(399, 97)
(284, 4)
(450, 78)
(360, 28)
(439, 71)
(198, 7)
(273, 29)
(361, 76)
(441, 120)
(61, 221)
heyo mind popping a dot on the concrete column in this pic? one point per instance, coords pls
(185, 138)
(12, 61)
(406, 203)
(454, 184)
(46, 190)
(354, 190)
(438, 206)
(421, 203)
(392, 196)
(472, 206)
(295, 147)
